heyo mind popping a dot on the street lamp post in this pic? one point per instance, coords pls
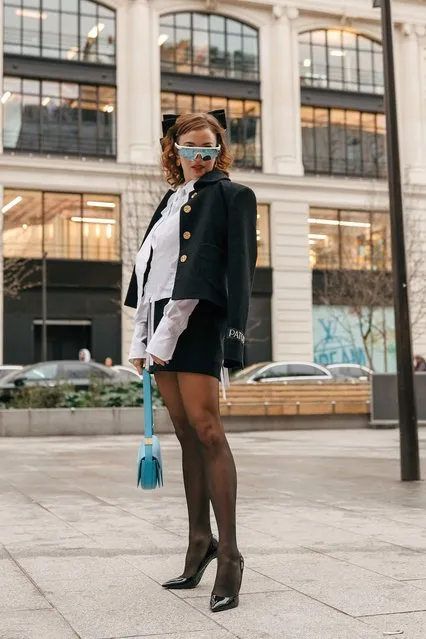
(409, 443)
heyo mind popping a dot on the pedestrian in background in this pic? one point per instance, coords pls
(108, 362)
(84, 355)
(419, 364)
(191, 289)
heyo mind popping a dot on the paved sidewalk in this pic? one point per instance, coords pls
(335, 544)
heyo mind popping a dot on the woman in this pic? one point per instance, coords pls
(191, 289)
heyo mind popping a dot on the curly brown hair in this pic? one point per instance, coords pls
(191, 122)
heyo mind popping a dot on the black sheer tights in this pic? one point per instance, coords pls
(208, 471)
(194, 476)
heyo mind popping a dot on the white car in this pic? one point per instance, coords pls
(282, 372)
(350, 371)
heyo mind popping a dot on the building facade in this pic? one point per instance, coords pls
(84, 87)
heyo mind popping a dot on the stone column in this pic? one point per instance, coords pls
(292, 282)
(285, 92)
(1, 72)
(412, 98)
(1, 276)
(140, 61)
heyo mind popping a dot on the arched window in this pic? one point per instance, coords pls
(340, 60)
(63, 102)
(73, 30)
(209, 44)
(210, 61)
(343, 122)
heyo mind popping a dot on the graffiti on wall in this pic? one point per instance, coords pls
(337, 338)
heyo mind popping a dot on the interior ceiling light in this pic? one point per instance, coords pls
(93, 33)
(102, 205)
(162, 38)
(108, 108)
(307, 62)
(338, 53)
(11, 204)
(5, 97)
(31, 13)
(93, 220)
(317, 236)
(361, 225)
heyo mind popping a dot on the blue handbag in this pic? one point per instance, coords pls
(150, 465)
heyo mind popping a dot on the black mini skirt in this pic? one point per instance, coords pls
(200, 347)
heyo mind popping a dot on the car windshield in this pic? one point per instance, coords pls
(246, 373)
(34, 373)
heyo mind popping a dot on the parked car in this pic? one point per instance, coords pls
(282, 372)
(7, 369)
(126, 373)
(350, 372)
(77, 374)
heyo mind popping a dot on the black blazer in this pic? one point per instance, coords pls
(217, 253)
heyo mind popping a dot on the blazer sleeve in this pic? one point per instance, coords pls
(242, 255)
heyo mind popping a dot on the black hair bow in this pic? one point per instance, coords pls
(169, 119)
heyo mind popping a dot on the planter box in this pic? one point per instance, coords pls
(79, 421)
(129, 421)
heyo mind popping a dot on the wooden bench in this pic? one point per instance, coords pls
(296, 399)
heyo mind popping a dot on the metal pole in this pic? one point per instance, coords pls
(409, 443)
(44, 307)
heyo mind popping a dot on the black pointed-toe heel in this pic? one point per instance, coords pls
(218, 604)
(185, 583)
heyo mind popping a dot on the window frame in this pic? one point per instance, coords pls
(257, 165)
(382, 265)
(97, 18)
(378, 170)
(306, 38)
(85, 251)
(192, 30)
(101, 138)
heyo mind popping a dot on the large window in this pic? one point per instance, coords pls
(209, 61)
(349, 240)
(243, 118)
(343, 142)
(340, 60)
(59, 117)
(74, 30)
(343, 122)
(64, 225)
(207, 44)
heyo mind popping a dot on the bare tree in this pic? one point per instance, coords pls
(415, 238)
(145, 189)
(358, 299)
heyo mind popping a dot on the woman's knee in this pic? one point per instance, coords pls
(209, 430)
(183, 429)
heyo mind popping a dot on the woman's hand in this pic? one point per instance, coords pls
(159, 361)
(138, 364)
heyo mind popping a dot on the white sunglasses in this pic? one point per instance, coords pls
(191, 152)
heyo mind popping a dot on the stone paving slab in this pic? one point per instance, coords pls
(279, 615)
(16, 590)
(355, 591)
(34, 624)
(334, 543)
(411, 625)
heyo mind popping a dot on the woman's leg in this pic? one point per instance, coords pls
(200, 396)
(194, 476)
